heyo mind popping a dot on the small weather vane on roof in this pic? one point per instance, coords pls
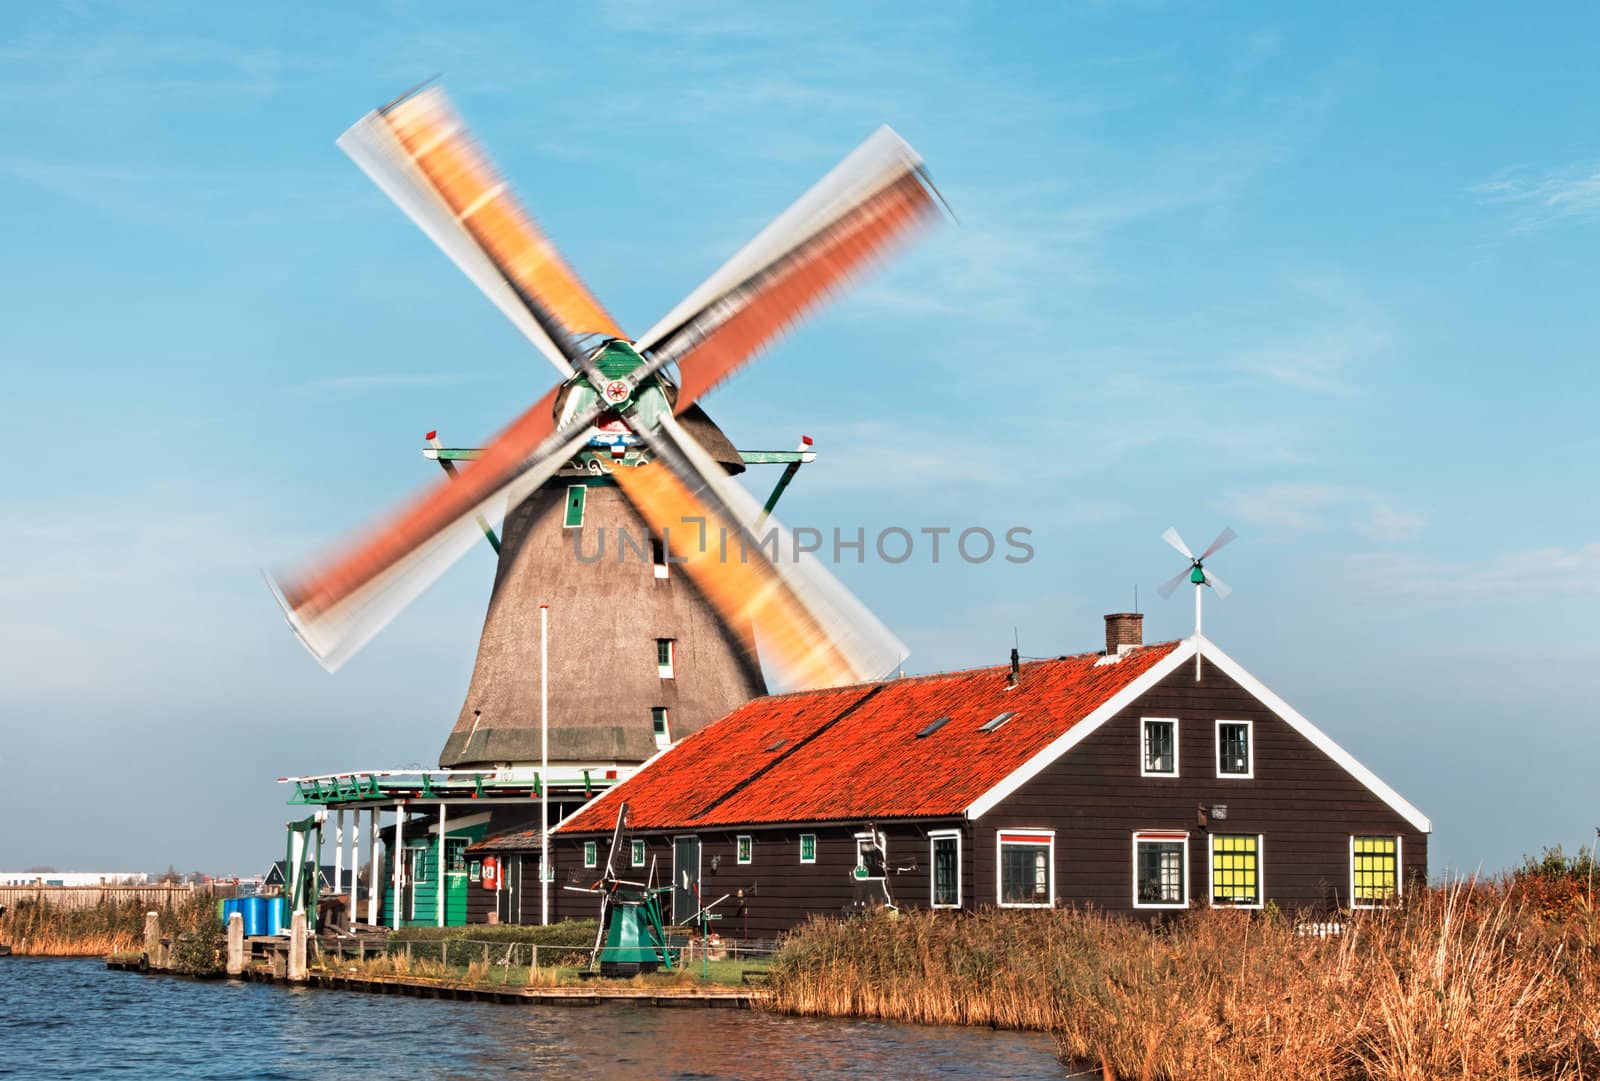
(1197, 573)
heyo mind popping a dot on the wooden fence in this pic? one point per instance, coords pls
(161, 896)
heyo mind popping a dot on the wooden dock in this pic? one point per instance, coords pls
(415, 987)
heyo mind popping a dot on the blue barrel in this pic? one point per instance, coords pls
(230, 905)
(255, 915)
(275, 920)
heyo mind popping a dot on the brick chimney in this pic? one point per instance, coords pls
(1124, 630)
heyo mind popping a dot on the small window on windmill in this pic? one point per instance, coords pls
(933, 726)
(658, 557)
(576, 496)
(664, 657)
(658, 721)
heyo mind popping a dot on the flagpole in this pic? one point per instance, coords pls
(544, 763)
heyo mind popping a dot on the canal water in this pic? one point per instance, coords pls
(76, 1019)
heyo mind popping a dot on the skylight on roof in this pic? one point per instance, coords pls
(990, 726)
(933, 726)
(778, 746)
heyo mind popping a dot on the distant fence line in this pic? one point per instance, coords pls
(75, 897)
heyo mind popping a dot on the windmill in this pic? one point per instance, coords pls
(619, 445)
(1197, 573)
(631, 937)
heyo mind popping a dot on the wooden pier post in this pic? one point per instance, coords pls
(152, 939)
(235, 944)
(297, 948)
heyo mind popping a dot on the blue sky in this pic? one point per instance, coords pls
(1327, 277)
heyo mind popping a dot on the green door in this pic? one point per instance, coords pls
(455, 881)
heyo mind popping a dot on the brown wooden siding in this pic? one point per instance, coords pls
(780, 891)
(1303, 803)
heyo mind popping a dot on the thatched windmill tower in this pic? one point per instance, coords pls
(618, 445)
(662, 661)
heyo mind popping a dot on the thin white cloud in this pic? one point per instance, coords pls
(1572, 192)
(1308, 508)
(1527, 575)
(1345, 331)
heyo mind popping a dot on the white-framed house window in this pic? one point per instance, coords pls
(1374, 870)
(1236, 870)
(808, 848)
(1158, 747)
(660, 725)
(944, 863)
(591, 854)
(1025, 869)
(638, 853)
(1236, 749)
(658, 558)
(1160, 869)
(744, 848)
(666, 650)
(872, 857)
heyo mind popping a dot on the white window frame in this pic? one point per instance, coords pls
(638, 853)
(665, 671)
(1160, 837)
(1250, 751)
(661, 565)
(1144, 754)
(883, 846)
(1000, 842)
(744, 848)
(663, 738)
(1399, 871)
(1211, 869)
(803, 858)
(591, 853)
(943, 835)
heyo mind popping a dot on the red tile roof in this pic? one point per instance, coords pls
(854, 753)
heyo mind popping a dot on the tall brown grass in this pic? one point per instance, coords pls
(1460, 982)
(43, 930)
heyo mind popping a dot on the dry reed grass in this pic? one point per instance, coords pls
(41, 929)
(1461, 982)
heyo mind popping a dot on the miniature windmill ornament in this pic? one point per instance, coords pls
(1197, 574)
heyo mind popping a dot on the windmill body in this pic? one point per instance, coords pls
(619, 445)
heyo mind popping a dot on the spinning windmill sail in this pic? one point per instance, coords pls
(813, 633)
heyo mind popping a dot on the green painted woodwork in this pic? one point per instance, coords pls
(576, 495)
(422, 856)
(617, 358)
(777, 492)
(636, 939)
(1197, 576)
(369, 788)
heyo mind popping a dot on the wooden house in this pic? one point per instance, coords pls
(1144, 779)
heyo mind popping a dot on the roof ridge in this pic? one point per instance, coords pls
(925, 676)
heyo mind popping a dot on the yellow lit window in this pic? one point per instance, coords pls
(1374, 869)
(1235, 869)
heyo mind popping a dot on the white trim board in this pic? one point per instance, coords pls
(1317, 736)
(1160, 671)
